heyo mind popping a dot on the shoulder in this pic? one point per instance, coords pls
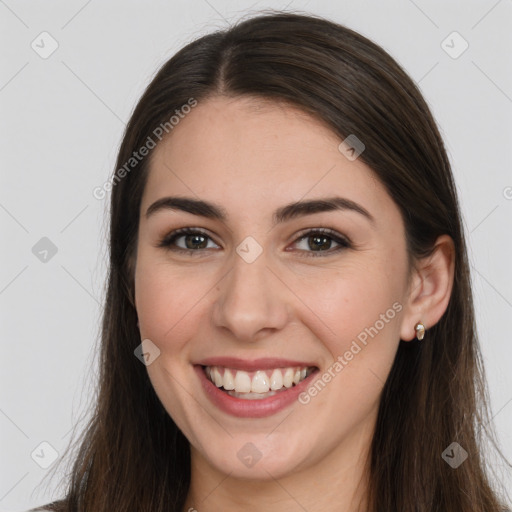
(55, 506)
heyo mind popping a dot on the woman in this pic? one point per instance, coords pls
(289, 322)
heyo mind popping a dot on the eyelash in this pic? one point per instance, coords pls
(168, 241)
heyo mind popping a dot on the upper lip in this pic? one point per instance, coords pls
(263, 363)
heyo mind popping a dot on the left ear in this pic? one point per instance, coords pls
(430, 288)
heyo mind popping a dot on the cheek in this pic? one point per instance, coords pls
(351, 303)
(168, 304)
(167, 301)
(359, 310)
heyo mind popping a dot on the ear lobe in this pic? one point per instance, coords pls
(430, 289)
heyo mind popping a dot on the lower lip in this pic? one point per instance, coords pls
(258, 408)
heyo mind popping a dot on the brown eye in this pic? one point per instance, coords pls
(321, 240)
(318, 242)
(194, 240)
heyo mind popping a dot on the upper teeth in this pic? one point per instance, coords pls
(260, 381)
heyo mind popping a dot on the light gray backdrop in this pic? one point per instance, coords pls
(71, 74)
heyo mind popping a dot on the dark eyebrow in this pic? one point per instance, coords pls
(283, 214)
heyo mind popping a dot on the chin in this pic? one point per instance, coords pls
(260, 457)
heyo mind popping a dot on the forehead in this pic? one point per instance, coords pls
(251, 153)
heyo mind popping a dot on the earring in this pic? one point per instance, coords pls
(420, 331)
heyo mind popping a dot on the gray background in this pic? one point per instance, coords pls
(62, 119)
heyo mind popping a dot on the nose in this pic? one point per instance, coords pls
(253, 302)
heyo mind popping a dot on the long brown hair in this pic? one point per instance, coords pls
(132, 457)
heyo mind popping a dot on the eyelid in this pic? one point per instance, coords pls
(324, 231)
(165, 241)
(343, 241)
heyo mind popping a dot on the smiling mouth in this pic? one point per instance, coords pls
(257, 384)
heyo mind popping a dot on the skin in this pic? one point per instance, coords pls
(251, 157)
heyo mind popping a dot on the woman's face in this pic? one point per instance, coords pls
(254, 298)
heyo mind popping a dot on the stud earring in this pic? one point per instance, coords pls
(420, 331)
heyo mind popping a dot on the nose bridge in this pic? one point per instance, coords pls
(250, 297)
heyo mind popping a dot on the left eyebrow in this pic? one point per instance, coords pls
(282, 214)
(301, 208)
